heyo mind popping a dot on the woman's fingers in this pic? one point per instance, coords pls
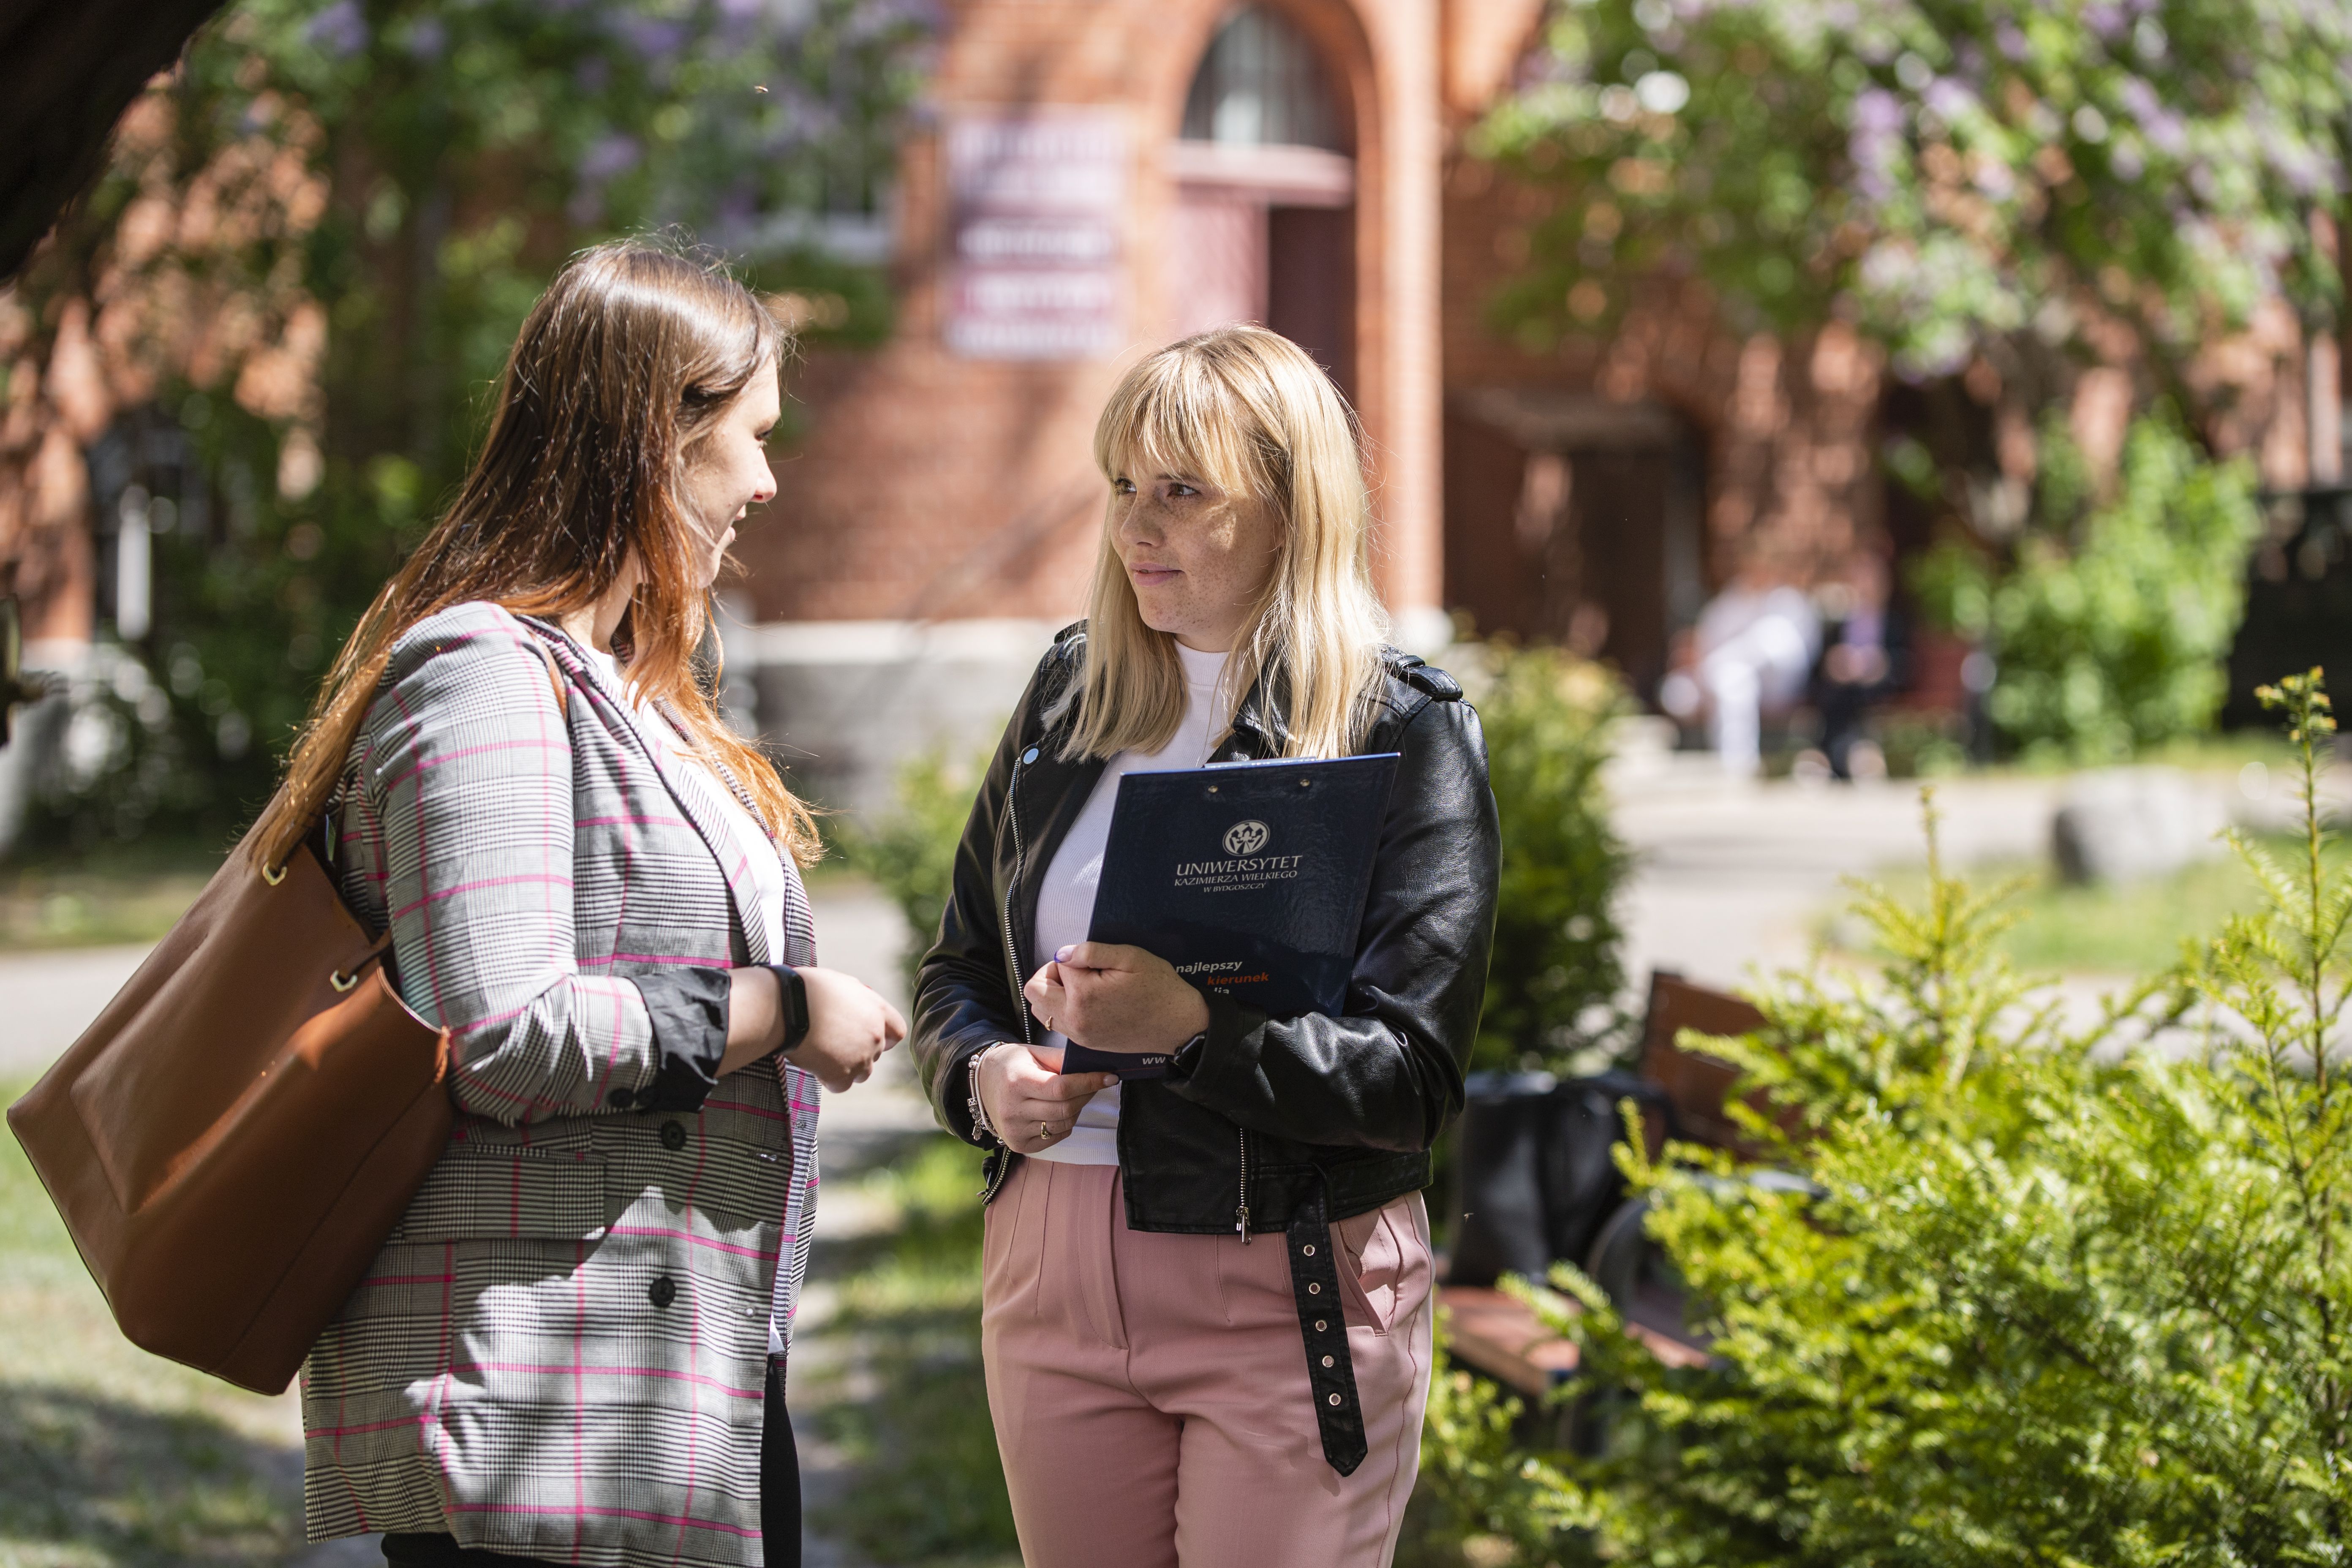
(1108, 955)
(1030, 1105)
(1046, 996)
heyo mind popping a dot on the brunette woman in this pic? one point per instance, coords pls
(571, 1349)
(1207, 1298)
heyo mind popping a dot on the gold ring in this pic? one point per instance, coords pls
(1044, 1133)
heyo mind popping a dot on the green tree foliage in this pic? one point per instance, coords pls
(1940, 172)
(1548, 717)
(2112, 622)
(2113, 628)
(399, 178)
(2063, 1295)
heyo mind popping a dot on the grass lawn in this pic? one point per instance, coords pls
(2131, 929)
(117, 895)
(110, 1455)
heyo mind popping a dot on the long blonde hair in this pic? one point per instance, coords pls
(1247, 411)
(623, 367)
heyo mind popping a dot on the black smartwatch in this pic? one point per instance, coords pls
(795, 1002)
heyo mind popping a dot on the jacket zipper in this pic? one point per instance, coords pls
(1020, 855)
(1241, 1214)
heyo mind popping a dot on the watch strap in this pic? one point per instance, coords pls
(795, 1002)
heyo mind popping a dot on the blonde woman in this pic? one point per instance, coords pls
(1207, 1323)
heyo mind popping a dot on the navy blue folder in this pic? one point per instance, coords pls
(1249, 878)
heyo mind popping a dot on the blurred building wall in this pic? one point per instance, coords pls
(939, 517)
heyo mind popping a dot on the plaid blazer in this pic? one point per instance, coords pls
(560, 1350)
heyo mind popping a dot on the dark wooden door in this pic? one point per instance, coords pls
(1311, 285)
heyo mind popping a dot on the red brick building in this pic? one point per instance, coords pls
(1091, 179)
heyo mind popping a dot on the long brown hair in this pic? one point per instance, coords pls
(626, 362)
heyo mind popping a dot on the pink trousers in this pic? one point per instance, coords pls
(1150, 1391)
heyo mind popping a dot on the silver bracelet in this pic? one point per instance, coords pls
(980, 1125)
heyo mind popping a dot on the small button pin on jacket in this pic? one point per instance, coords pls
(663, 1291)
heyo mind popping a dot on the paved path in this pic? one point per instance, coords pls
(1730, 879)
(47, 998)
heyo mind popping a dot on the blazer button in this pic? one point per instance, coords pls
(663, 1291)
(621, 1099)
(673, 1135)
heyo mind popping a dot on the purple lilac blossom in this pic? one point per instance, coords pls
(875, 18)
(1949, 99)
(2165, 131)
(427, 39)
(1877, 112)
(649, 38)
(610, 156)
(2106, 21)
(2009, 39)
(341, 30)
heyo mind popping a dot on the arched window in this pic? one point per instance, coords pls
(1265, 216)
(1261, 85)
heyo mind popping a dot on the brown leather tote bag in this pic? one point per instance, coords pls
(233, 1139)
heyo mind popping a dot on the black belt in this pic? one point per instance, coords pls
(1323, 1324)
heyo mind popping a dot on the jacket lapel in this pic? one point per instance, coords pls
(715, 837)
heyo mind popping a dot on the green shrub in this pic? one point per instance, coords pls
(2112, 627)
(1553, 986)
(2060, 1300)
(910, 851)
(1480, 1500)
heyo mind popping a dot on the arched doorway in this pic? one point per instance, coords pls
(1575, 519)
(1265, 220)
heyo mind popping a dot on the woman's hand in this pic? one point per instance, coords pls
(1032, 1106)
(1108, 997)
(850, 1028)
(849, 1025)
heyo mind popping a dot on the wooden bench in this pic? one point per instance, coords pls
(1499, 1337)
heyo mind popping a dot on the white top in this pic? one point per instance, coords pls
(1065, 899)
(760, 891)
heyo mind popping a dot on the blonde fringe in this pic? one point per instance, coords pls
(1249, 412)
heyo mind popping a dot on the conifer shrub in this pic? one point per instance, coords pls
(2066, 1291)
(1556, 973)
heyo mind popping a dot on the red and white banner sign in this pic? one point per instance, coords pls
(1039, 199)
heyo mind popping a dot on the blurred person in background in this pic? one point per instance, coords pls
(1750, 654)
(1170, 1380)
(1865, 662)
(570, 1348)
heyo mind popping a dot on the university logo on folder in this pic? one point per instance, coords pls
(1249, 878)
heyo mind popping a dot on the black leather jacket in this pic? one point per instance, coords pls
(1274, 1114)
